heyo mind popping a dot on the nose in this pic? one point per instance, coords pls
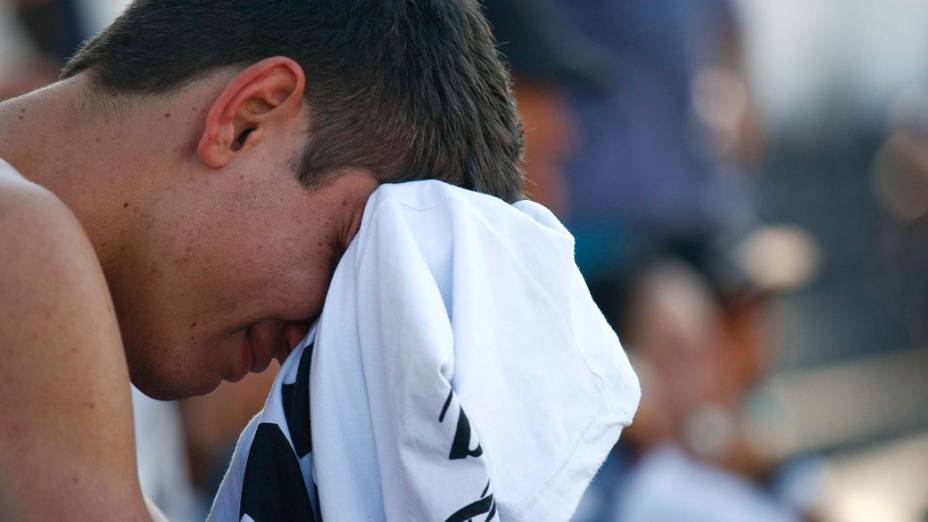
(293, 332)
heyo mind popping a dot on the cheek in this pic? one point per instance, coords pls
(302, 281)
(224, 269)
(305, 294)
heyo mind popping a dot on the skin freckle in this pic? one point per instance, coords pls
(125, 205)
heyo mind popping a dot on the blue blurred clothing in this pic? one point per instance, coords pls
(644, 163)
(669, 486)
(666, 484)
(600, 502)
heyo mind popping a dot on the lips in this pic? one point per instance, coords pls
(293, 333)
(245, 362)
(263, 340)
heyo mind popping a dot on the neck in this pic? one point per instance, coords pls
(51, 138)
(30, 124)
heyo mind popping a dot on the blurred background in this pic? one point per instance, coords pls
(747, 181)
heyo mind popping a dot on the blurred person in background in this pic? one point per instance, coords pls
(900, 180)
(698, 345)
(53, 31)
(854, 340)
(665, 144)
(698, 468)
(666, 152)
(546, 58)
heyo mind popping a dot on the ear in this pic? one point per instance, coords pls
(265, 94)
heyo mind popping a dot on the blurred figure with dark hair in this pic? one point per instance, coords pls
(688, 456)
(696, 319)
(546, 58)
(53, 25)
(54, 31)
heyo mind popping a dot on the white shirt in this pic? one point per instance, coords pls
(459, 371)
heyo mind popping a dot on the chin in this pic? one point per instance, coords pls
(171, 384)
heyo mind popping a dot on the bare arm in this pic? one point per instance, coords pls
(66, 443)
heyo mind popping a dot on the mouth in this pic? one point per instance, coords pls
(293, 333)
(265, 341)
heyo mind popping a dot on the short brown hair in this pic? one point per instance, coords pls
(408, 89)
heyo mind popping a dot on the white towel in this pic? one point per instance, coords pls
(459, 371)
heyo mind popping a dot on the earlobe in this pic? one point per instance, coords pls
(214, 148)
(265, 95)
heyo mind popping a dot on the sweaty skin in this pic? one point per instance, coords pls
(168, 240)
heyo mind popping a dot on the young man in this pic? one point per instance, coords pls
(173, 208)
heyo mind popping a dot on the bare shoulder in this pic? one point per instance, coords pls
(34, 223)
(47, 264)
(66, 440)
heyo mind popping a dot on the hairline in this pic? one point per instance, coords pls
(107, 103)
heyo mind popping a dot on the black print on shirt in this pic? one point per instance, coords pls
(318, 503)
(460, 447)
(486, 505)
(295, 400)
(273, 488)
